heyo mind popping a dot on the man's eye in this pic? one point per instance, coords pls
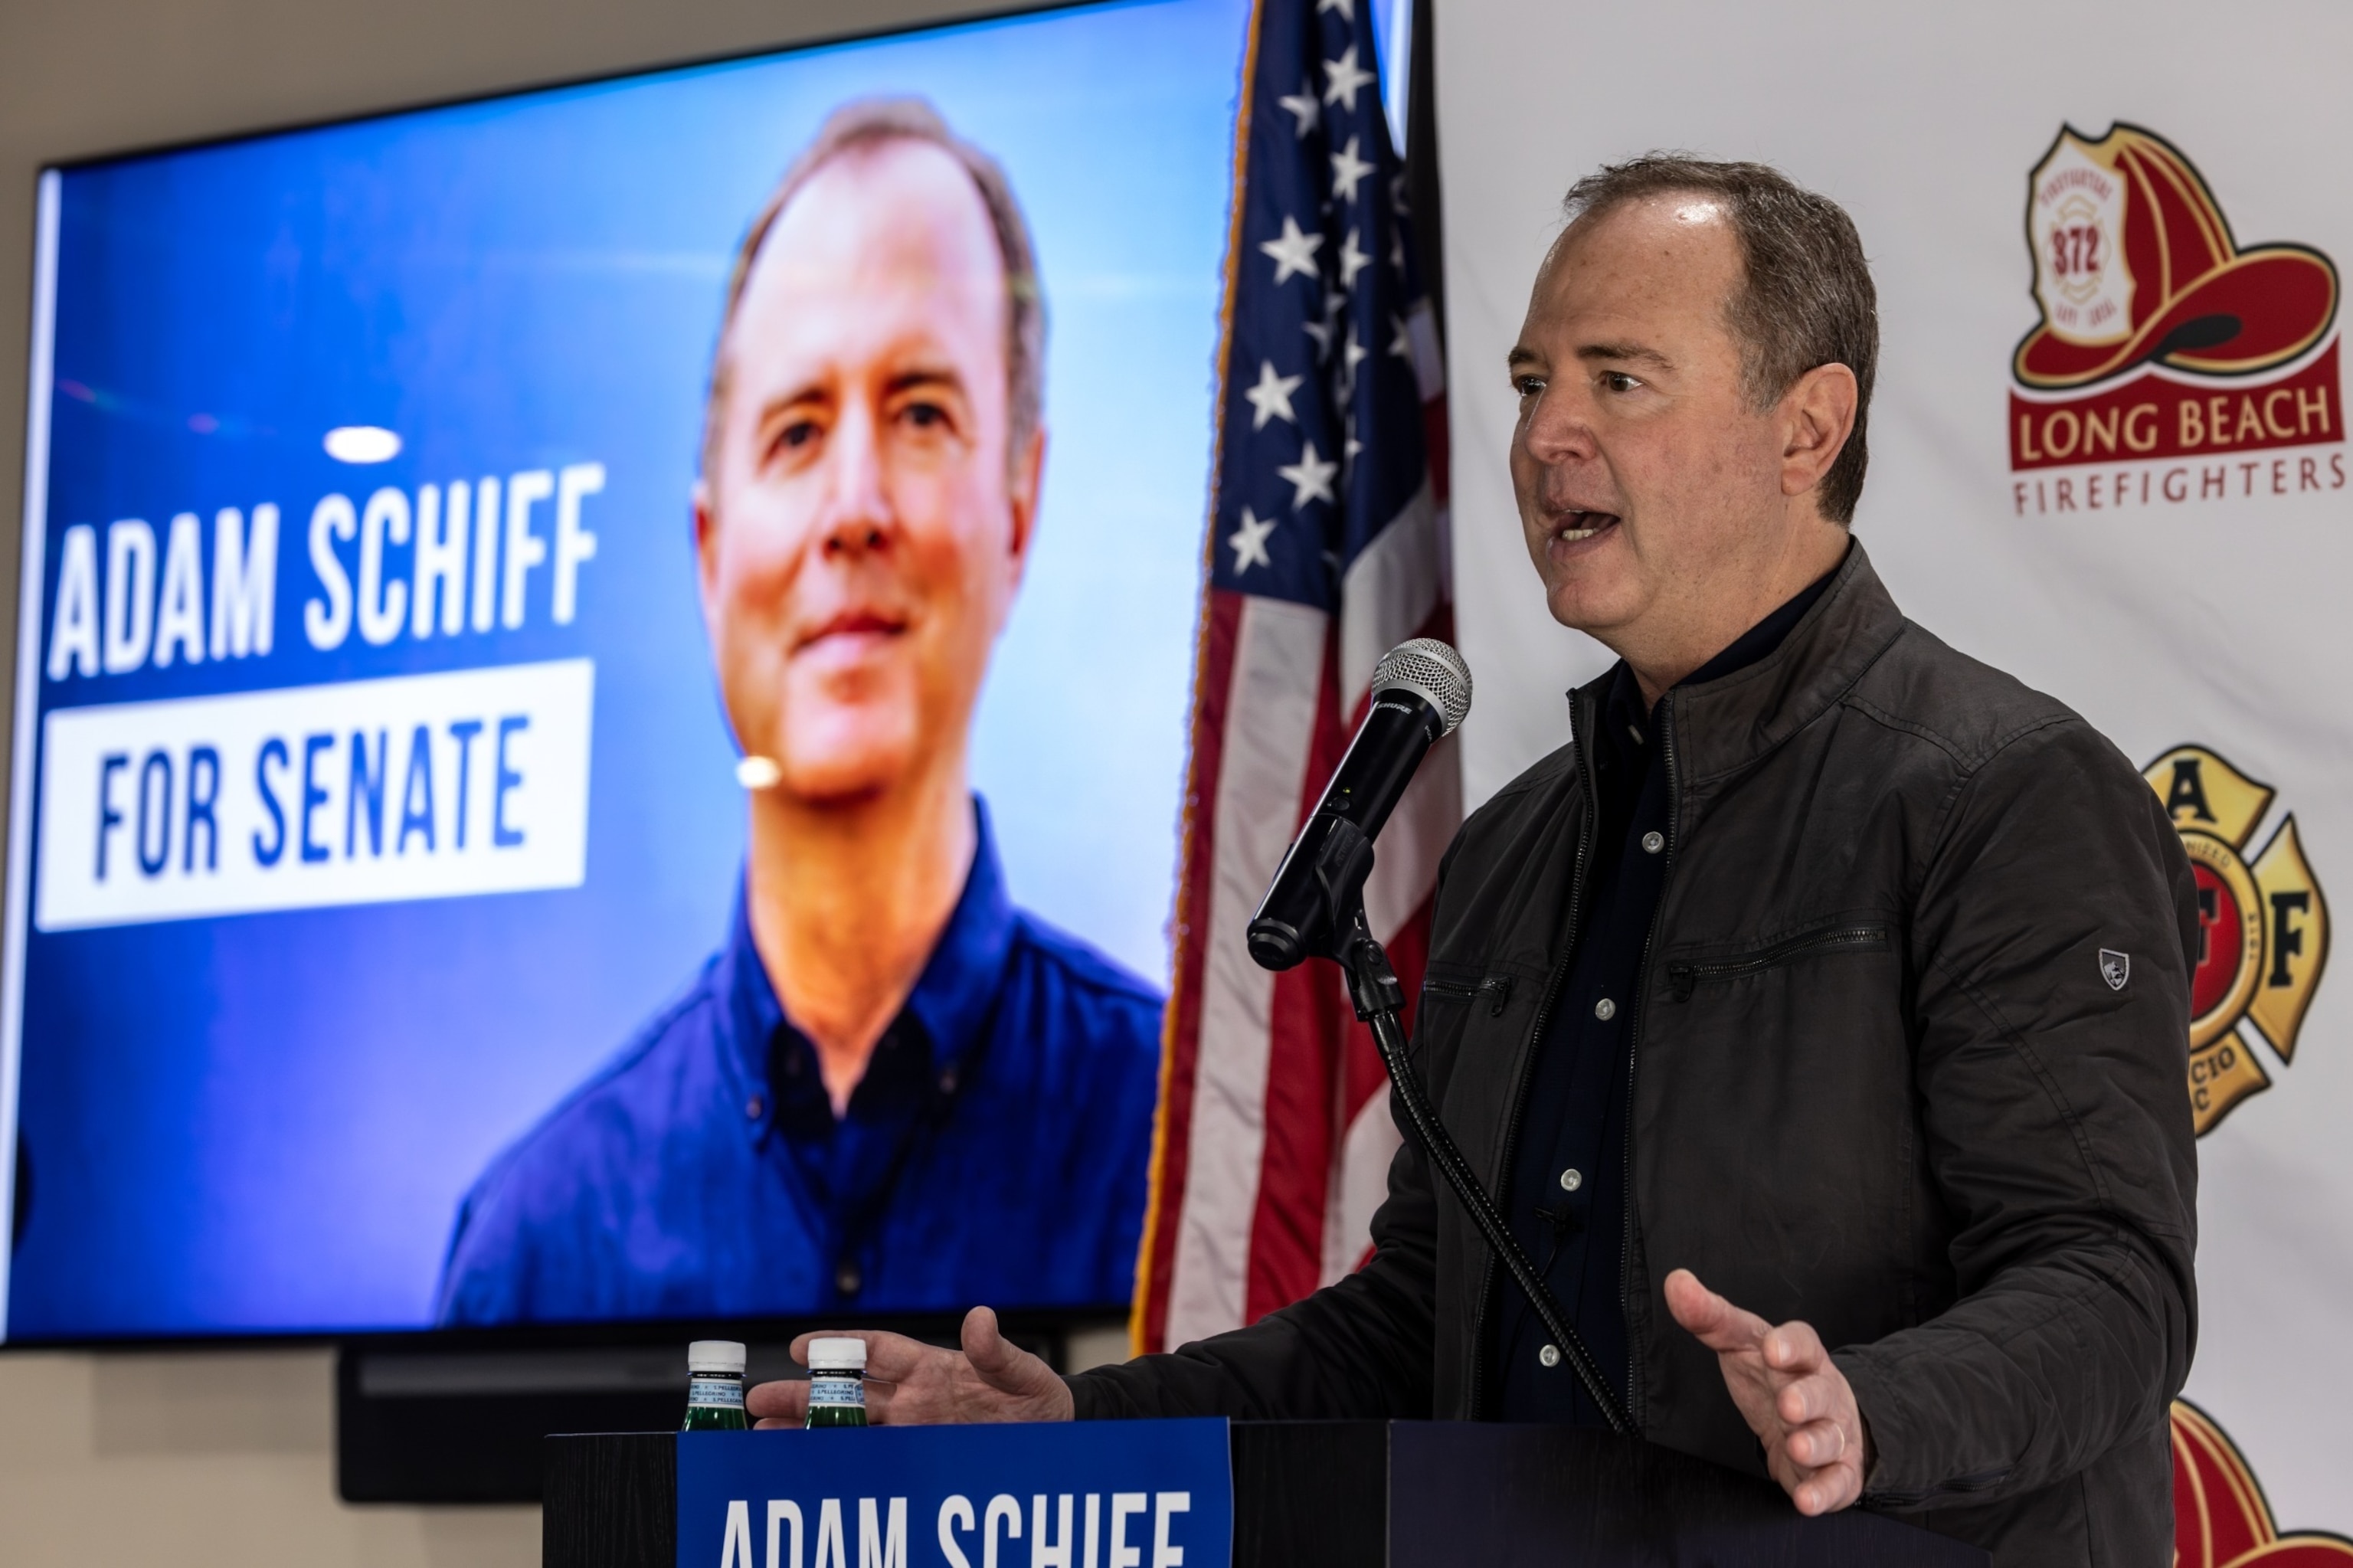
(1529, 386)
(1618, 381)
(926, 415)
(797, 434)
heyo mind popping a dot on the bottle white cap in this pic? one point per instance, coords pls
(714, 1355)
(844, 1352)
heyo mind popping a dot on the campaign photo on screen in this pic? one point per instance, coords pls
(962, 1093)
(603, 694)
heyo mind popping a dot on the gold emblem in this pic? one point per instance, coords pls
(2262, 927)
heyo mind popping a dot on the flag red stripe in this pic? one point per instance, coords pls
(1180, 1049)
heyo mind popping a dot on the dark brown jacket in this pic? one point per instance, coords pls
(1880, 1082)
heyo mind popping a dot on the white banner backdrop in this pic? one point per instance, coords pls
(2185, 589)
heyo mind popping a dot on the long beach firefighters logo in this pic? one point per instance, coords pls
(2168, 355)
(2262, 927)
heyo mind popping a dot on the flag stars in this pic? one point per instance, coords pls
(1303, 105)
(1271, 399)
(1333, 303)
(1342, 78)
(1249, 543)
(1351, 261)
(1400, 340)
(1351, 356)
(1293, 252)
(1311, 477)
(1348, 171)
(1396, 251)
(1348, 8)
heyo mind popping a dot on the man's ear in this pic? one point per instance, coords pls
(706, 551)
(1027, 478)
(1818, 416)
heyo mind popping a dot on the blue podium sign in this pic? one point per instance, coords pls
(1113, 1494)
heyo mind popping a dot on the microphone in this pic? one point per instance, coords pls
(1420, 690)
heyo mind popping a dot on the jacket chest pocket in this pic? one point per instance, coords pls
(1491, 993)
(1685, 978)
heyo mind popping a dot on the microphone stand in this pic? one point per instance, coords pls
(1373, 988)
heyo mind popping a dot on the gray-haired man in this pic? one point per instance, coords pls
(1789, 971)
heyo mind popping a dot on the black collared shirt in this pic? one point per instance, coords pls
(1567, 1200)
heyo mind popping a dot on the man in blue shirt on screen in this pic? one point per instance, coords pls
(890, 1087)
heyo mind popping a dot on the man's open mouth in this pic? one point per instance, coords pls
(1579, 526)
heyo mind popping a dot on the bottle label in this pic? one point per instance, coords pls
(724, 1392)
(837, 1388)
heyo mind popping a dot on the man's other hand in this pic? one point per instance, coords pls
(909, 1383)
(1793, 1395)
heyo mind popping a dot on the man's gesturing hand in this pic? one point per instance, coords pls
(1793, 1397)
(909, 1383)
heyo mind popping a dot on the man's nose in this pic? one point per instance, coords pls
(857, 514)
(1557, 430)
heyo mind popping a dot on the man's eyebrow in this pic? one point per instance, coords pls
(924, 376)
(1522, 354)
(1622, 351)
(814, 391)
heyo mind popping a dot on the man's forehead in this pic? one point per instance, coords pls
(1616, 279)
(901, 218)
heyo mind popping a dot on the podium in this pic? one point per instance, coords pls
(1347, 1494)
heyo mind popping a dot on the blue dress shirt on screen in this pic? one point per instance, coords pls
(994, 1152)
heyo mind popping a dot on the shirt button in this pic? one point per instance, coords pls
(754, 1107)
(1549, 1355)
(1605, 1009)
(1572, 1180)
(845, 1279)
(1653, 842)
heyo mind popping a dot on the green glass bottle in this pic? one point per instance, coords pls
(715, 1387)
(837, 1382)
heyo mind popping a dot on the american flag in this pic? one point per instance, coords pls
(1327, 547)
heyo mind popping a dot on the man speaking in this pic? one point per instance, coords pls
(890, 1087)
(1801, 1063)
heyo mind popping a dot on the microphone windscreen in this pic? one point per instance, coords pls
(1430, 670)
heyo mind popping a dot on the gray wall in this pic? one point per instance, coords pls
(226, 1457)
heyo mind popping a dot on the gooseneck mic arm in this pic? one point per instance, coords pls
(1321, 888)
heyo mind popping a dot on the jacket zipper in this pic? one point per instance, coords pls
(1634, 1401)
(1560, 975)
(1497, 989)
(1685, 978)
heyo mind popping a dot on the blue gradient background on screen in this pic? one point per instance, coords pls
(264, 1123)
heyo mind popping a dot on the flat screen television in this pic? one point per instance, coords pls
(602, 691)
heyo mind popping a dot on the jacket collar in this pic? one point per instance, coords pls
(1724, 725)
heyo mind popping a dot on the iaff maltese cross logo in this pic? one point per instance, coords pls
(2262, 927)
(2170, 364)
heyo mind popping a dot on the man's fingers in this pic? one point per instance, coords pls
(1709, 1318)
(892, 1358)
(1828, 1490)
(1002, 1364)
(1794, 1347)
(1807, 1398)
(784, 1401)
(1816, 1443)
